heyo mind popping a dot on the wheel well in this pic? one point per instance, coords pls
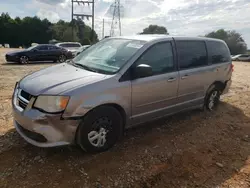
(117, 107)
(220, 85)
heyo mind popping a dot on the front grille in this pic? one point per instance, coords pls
(32, 135)
(22, 104)
(23, 98)
(25, 95)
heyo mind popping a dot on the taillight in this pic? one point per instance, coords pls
(232, 67)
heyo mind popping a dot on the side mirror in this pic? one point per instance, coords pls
(142, 71)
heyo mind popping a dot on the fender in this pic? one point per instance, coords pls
(93, 102)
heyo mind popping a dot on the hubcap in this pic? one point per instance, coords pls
(24, 60)
(212, 100)
(62, 59)
(101, 128)
(98, 139)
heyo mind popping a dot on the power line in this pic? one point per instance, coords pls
(116, 19)
(82, 16)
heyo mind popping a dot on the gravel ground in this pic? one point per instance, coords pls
(193, 149)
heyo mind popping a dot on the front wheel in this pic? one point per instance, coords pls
(61, 58)
(100, 129)
(24, 59)
(212, 98)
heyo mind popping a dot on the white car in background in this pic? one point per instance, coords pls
(73, 47)
(241, 57)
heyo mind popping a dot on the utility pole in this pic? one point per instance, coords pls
(82, 15)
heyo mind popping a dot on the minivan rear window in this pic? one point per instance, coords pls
(218, 52)
(191, 54)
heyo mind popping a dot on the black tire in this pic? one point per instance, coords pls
(62, 58)
(23, 59)
(102, 121)
(212, 98)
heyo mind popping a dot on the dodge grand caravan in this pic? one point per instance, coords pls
(117, 83)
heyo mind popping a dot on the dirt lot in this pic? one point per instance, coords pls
(194, 149)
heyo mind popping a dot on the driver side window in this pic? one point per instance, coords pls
(159, 57)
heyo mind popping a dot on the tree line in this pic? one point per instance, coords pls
(234, 40)
(23, 32)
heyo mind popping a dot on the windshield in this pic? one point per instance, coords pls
(109, 55)
(32, 47)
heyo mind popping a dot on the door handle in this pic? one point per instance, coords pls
(171, 79)
(184, 77)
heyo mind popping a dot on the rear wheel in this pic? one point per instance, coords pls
(61, 58)
(24, 59)
(212, 99)
(100, 129)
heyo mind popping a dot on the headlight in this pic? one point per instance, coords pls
(51, 104)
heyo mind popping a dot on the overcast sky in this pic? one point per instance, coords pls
(180, 17)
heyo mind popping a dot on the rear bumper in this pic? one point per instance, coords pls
(228, 85)
(69, 55)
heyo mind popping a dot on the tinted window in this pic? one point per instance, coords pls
(42, 48)
(218, 52)
(244, 56)
(53, 48)
(159, 57)
(70, 45)
(191, 54)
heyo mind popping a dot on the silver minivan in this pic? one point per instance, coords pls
(118, 83)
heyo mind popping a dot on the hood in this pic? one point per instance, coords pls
(58, 79)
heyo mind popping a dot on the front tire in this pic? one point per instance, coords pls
(62, 58)
(24, 59)
(100, 129)
(213, 98)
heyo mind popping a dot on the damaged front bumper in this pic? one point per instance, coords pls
(38, 128)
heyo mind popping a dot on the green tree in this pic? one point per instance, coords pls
(155, 29)
(22, 32)
(234, 40)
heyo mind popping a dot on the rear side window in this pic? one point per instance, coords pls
(191, 54)
(218, 52)
(53, 48)
(70, 45)
(244, 56)
(42, 47)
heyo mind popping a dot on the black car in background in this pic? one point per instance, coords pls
(41, 52)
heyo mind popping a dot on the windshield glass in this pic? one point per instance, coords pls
(32, 47)
(109, 55)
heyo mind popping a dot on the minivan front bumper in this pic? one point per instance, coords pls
(41, 129)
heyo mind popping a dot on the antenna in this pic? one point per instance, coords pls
(82, 15)
(116, 18)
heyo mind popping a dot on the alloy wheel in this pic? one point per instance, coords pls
(24, 60)
(212, 100)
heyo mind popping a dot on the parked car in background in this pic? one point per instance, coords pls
(81, 49)
(119, 83)
(70, 46)
(41, 52)
(241, 57)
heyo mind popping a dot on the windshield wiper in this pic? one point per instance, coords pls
(85, 67)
